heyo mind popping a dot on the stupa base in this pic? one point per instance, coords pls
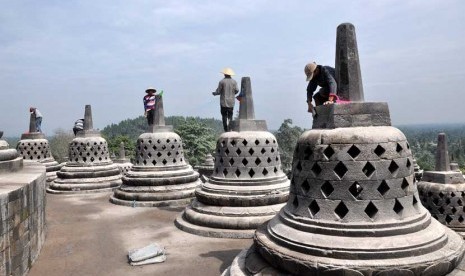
(237, 222)
(164, 203)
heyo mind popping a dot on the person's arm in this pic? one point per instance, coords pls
(145, 106)
(236, 90)
(310, 89)
(218, 90)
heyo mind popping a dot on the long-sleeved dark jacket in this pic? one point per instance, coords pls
(326, 78)
(227, 88)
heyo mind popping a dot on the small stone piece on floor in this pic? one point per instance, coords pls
(150, 254)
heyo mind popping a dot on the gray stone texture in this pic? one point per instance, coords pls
(348, 74)
(351, 115)
(442, 191)
(89, 168)
(123, 163)
(353, 207)
(33, 146)
(160, 175)
(22, 212)
(247, 186)
(206, 168)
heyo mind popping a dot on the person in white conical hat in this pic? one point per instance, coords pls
(227, 89)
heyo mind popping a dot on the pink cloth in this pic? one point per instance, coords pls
(339, 100)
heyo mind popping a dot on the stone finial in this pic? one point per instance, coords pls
(88, 123)
(159, 114)
(442, 154)
(348, 74)
(122, 152)
(246, 108)
(32, 123)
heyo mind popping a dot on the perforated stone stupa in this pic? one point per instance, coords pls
(442, 191)
(353, 208)
(161, 175)
(247, 186)
(206, 168)
(89, 168)
(33, 146)
(123, 163)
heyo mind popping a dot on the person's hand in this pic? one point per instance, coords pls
(213, 93)
(328, 102)
(310, 107)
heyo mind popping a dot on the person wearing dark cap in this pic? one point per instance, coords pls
(227, 89)
(323, 76)
(149, 104)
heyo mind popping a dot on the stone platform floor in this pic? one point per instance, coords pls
(87, 235)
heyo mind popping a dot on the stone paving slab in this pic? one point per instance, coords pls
(87, 235)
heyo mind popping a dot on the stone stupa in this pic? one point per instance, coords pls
(123, 163)
(33, 146)
(89, 167)
(247, 187)
(206, 168)
(442, 191)
(160, 175)
(353, 208)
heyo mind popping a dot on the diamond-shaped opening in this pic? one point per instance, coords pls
(158, 141)
(154, 162)
(393, 167)
(441, 194)
(453, 210)
(327, 189)
(305, 186)
(408, 163)
(404, 184)
(355, 189)
(225, 172)
(436, 201)
(452, 194)
(92, 159)
(414, 201)
(84, 159)
(341, 210)
(159, 154)
(169, 153)
(251, 151)
(313, 208)
(223, 143)
(263, 151)
(238, 151)
(398, 207)
(216, 170)
(226, 151)
(368, 169)
(164, 161)
(353, 151)
(316, 169)
(257, 142)
(379, 150)
(328, 152)
(340, 169)
(447, 201)
(295, 202)
(265, 172)
(383, 188)
(459, 202)
(168, 140)
(268, 160)
(233, 143)
(258, 161)
(245, 162)
(221, 160)
(272, 150)
(251, 172)
(371, 210)
(231, 161)
(307, 153)
(149, 154)
(244, 142)
(298, 167)
(174, 160)
(145, 162)
(448, 219)
(275, 170)
(267, 141)
(154, 148)
(399, 148)
(461, 219)
(237, 172)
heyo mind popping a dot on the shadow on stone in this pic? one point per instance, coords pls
(226, 256)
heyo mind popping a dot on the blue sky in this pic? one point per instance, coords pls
(62, 55)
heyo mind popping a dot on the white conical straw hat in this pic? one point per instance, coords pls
(228, 71)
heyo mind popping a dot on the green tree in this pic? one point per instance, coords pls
(59, 144)
(129, 145)
(287, 136)
(197, 138)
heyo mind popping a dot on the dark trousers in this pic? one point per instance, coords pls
(321, 96)
(38, 124)
(150, 116)
(226, 114)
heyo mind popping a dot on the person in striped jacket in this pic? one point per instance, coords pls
(149, 104)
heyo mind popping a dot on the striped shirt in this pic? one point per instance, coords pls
(149, 102)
